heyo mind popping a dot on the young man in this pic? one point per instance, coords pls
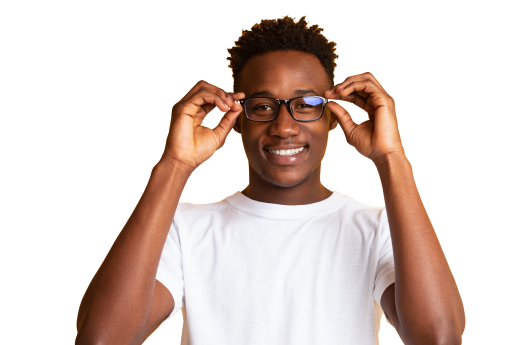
(285, 261)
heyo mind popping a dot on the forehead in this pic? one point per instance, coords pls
(281, 73)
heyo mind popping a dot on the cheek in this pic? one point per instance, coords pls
(251, 141)
(246, 150)
(319, 144)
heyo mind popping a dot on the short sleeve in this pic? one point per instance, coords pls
(170, 271)
(385, 273)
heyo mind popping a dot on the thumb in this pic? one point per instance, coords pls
(343, 117)
(226, 124)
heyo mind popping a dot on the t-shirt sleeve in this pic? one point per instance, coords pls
(385, 273)
(170, 271)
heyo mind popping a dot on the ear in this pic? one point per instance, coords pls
(237, 126)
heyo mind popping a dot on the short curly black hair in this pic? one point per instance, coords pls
(281, 35)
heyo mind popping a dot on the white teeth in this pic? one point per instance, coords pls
(287, 152)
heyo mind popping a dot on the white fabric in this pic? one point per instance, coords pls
(247, 272)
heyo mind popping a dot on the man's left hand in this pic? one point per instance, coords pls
(378, 137)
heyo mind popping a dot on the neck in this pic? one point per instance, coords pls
(307, 192)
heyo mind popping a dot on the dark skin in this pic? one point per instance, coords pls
(124, 303)
(292, 75)
(421, 268)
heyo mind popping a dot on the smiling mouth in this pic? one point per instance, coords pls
(288, 152)
(288, 157)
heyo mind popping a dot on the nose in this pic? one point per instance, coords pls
(284, 125)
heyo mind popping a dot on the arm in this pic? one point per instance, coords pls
(427, 302)
(118, 301)
(424, 304)
(124, 303)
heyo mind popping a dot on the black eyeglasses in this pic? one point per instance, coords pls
(264, 109)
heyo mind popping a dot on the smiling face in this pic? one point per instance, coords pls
(284, 75)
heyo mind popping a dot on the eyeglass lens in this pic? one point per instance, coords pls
(265, 109)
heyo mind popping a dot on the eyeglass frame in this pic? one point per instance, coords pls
(288, 104)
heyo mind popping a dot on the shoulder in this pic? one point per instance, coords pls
(187, 212)
(188, 207)
(360, 212)
(351, 203)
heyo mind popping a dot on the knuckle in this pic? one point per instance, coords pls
(222, 94)
(201, 83)
(180, 109)
(223, 99)
(178, 105)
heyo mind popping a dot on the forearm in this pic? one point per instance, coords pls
(427, 300)
(118, 300)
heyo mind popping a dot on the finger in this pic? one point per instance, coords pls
(229, 119)
(227, 97)
(378, 99)
(343, 117)
(225, 126)
(371, 77)
(335, 88)
(362, 94)
(333, 92)
(206, 108)
(196, 88)
(238, 95)
(204, 101)
(237, 105)
(360, 99)
(361, 77)
(203, 86)
(361, 102)
(356, 99)
(216, 97)
(363, 87)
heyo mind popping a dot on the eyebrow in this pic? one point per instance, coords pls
(296, 92)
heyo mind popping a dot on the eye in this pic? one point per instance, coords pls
(304, 106)
(263, 107)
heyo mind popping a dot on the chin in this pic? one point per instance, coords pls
(285, 181)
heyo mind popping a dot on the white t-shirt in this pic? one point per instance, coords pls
(246, 272)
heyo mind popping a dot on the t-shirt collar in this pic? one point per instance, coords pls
(286, 212)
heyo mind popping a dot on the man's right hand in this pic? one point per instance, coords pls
(189, 143)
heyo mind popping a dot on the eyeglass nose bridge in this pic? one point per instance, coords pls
(287, 102)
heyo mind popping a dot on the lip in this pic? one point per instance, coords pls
(284, 147)
(285, 160)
